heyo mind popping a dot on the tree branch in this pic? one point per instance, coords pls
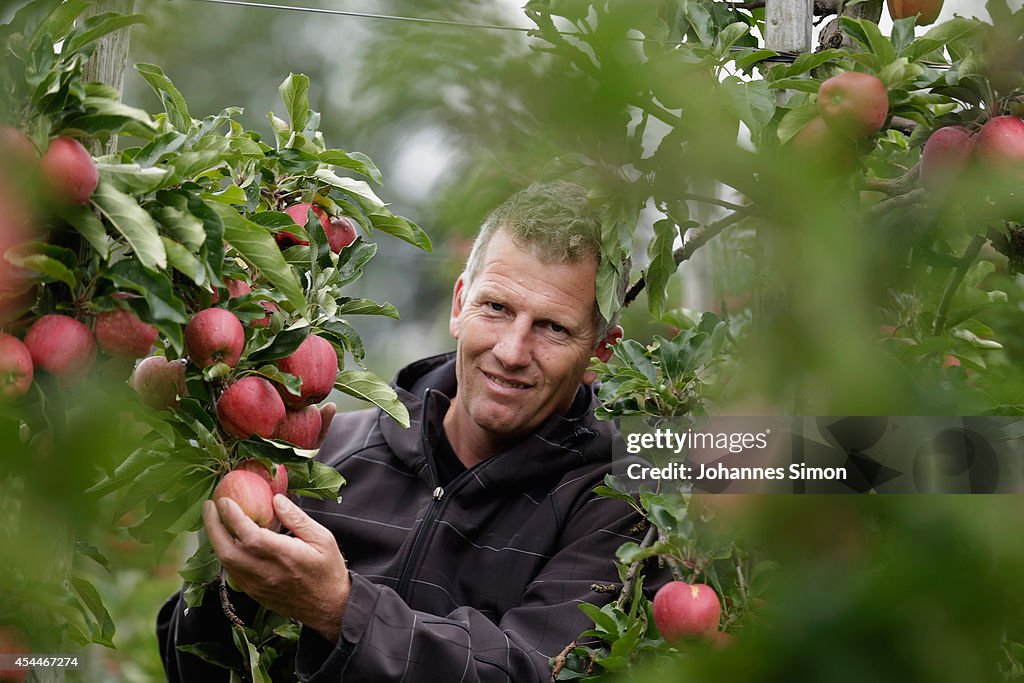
(955, 278)
(684, 252)
(893, 186)
(899, 201)
(627, 585)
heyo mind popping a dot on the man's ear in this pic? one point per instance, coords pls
(457, 293)
(603, 351)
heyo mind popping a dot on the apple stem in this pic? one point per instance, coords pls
(225, 601)
(955, 278)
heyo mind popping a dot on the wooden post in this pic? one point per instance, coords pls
(109, 61)
(788, 25)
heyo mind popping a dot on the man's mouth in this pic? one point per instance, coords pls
(506, 383)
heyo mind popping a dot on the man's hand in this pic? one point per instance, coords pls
(303, 577)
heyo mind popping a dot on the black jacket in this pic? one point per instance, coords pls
(479, 580)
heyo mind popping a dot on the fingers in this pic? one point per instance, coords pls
(304, 527)
(327, 412)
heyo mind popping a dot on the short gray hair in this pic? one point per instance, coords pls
(559, 224)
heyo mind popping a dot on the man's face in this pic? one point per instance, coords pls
(525, 335)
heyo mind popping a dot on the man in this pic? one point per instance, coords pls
(470, 538)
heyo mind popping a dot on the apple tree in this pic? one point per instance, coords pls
(217, 255)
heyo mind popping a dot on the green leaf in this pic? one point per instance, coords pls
(88, 225)
(729, 35)
(132, 178)
(103, 633)
(604, 622)
(133, 223)
(174, 103)
(809, 61)
(316, 480)
(662, 265)
(283, 344)
(203, 566)
(350, 306)
(97, 26)
(183, 226)
(154, 286)
(751, 101)
(795, 120)
(358, 189)
(184, 261)
(347, 337)
(401, 228)
(807, 85)
(352, 161)
(902, 33)
(93, 553)
(868, 34)
(295, 93)
(102, 115)
(955, 29)
(256, 244)
(62, 19)
(22, 256)
(368, 387)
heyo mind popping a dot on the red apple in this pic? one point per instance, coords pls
(1000, 144)
(251, 492)
(121, 333)
(160, 382)
(341, 233)
(316, 364)
(62, 346)
(250, 407)
(816, 145)
(69, 170)
(237, 288)
(950, 361)
(945, 158)
(853, 104)
(683, 610)
(15, 367)
(927, 11)
(298, 213)
(301, 427)
(17, 149)
(214, 335)
(278, 484)
(13, 644)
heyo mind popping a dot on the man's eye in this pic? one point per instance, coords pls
(495, 307)
(555, 327)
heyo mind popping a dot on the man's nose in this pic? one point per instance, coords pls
(513, 348)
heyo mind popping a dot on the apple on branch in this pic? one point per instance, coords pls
(298, 213)
(926, 11)
(278, 483)
(121, 333)
(945, 158)
(301, 427)
(160, 383)
(249, 491)
(682, 610)
(69, 171)
(15, 367)
(63, 347)
(853, 104)
(214, 335)
(250, 407)
(315, 362)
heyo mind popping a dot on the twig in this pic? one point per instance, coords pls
(955, 278)
(225, 601)
(717, 202)
(893, 186)
(684, 252)
(558, 663)
(899, 201)
(627, 584)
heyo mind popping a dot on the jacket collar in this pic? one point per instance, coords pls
(562, 442)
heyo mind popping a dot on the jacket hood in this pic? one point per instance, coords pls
(561, 443)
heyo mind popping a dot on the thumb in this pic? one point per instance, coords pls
(327, 412)
(295, 519)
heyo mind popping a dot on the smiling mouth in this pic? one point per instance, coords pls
(504, 383)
